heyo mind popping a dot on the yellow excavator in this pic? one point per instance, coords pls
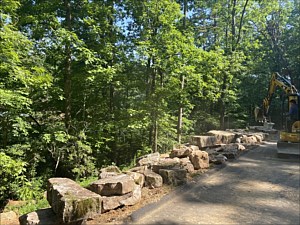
(289, 143)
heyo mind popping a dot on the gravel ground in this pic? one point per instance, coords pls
(258, 188)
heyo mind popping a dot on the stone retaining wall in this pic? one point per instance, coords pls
(72, 204)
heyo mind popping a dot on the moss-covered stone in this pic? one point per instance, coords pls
(70, 201)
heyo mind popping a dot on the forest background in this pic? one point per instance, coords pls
(89, 83)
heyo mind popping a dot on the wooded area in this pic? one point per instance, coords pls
(90, 83)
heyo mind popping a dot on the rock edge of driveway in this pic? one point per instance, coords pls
(140, 213)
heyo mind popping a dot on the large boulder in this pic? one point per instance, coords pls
(9, 218)
(149, 160)
(223, 137)
(204, 141)
(173, 177)
(109, 171)
(199, 159)
(44, 217)
(108, 174)
(139, 169)
(115, 185)
(186, 164)
(166, 163)
(193, 147)
(259, 137)
(218, 159)
(231, 147)
(134, 197)
(70, 201)
(138, 178)
(113, 202)
(249, 139)
(40, 217)
(152, 180)
(182, 152)
(231, 151)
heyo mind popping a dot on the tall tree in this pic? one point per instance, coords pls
(291, 42)
(22, 76)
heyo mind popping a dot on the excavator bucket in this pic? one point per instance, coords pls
(258, 114)
(288, 149)
(289, 145)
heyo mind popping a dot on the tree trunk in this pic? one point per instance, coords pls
(222, 114)
(180, 113)
(233, 25)
(155, 135)
(154, 112)
(151, 87)
(241, 22)
(67, 75)
(180, 110)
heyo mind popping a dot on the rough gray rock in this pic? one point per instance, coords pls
(173, 177)
(107, 174)
(259, 137)
(223, 137)
(220, 159)
(193, 147)
(199, 159)
(113, 169)
(70, 201)
(9, 218)
(42, 217)
(149, 160)
(166, 163)
(114, 202)
(152, 180)
(139, 169)
(181, 152)
(204, 141)
(249, 139)
(138, 178)
(116, 185)
(135, 196)
(186, 164)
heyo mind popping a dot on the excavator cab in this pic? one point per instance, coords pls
(289, 143)
(290, 123)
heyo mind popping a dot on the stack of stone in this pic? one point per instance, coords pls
(70, 204)
(223, 145)
(118, 190)
(172, 169)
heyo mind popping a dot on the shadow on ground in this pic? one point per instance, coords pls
(258, 188)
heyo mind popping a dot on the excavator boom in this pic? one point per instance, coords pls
(277, 81)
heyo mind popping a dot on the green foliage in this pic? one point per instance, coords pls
(28, 206)
(85, 182)
(205, 122)
(15, 183)
(12, 178)
(72, 153)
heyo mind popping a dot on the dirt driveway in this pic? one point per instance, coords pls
(258, 188)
